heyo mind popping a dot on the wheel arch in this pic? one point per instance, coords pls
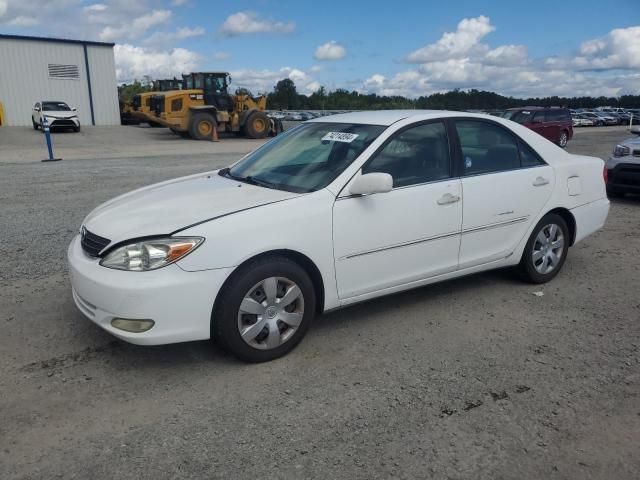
(569, 219)
(301, 259)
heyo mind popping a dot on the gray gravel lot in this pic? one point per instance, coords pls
(472, 378)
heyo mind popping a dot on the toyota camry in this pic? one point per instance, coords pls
(335, 211)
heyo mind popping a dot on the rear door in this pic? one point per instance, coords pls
(539, 123)
(505, 184)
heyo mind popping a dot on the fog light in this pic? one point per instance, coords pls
(133, 326)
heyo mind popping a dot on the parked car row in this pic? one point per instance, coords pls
(604, 117)
(300, 116)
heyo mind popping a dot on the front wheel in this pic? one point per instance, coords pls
(257, 125)
(201, 126)
(35, 125)
(264, 310)
(546, 250)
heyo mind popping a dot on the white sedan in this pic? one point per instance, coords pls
(338, 210)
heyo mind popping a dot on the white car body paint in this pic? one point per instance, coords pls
(363, 246)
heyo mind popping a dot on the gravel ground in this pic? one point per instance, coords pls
(472, 378)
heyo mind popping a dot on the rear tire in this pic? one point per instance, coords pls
(201, 126)
(257, 125)
(546, 250)
(564, 139)
(278, 329)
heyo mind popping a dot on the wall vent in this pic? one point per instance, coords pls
(66, 72)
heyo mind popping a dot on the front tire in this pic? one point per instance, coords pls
(257, 125)
(35, 125)
(546, 250)
(201, 126)
(264, 310)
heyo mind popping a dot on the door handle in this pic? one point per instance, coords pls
(540, 181)
(448, 198)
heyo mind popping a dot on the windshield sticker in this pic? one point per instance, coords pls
(339, 137)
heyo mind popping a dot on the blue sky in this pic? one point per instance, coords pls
(392, 47)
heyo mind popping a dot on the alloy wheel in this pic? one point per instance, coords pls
(270, 313)
(548, 248)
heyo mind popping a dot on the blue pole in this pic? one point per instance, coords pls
(47, 136)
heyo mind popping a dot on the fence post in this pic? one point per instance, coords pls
(47, 136)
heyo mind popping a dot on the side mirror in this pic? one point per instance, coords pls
(371, 183)
(74, 109)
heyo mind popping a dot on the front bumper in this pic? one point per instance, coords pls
(623, 174)
(179, 302)
(63, 122)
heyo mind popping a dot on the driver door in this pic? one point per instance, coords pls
(411, 233)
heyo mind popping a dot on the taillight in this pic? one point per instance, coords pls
(605, 174)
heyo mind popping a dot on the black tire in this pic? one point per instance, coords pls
(201, 126)
(224, 321)
(564, 139)
(527, 268)
(257, 125)
(35, 125)
(76, 129)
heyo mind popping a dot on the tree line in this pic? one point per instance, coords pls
(286, 97)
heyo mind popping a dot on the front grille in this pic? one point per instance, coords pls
(91, 243)
(63, 123)
(626, 174)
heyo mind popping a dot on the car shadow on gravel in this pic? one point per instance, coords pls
(434, 293)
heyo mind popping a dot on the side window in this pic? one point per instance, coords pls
(486, 147)
(529, 158)
(416, 155)
(539, 116)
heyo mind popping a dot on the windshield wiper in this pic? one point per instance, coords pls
(226, 172)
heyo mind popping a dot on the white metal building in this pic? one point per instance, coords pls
(82, 74)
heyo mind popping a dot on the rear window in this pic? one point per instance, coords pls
(558, 115)
(519, 116)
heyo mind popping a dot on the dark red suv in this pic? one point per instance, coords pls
(552, 123)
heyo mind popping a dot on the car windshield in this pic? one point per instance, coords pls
(55, 107)
(519, 116)
(307, 158)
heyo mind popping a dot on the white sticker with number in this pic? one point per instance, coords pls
(340, 137)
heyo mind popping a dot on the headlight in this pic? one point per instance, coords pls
(150, 254)
(621, 151)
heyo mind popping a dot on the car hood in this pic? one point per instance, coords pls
(167, 207)
(59, 113)
(632, 142)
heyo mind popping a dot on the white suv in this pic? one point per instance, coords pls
(58, 115)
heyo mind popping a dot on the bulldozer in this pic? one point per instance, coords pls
(205, 104)
(141, 103)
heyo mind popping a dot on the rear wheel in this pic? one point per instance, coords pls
(564, 138)
(257, 125)
(264, 310)
(201, 126)
(546, 250)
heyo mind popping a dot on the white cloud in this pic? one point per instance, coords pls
(312, 87)
(163, 38)
(96, 7)
(137, 27)
(265, 80)
(136, 62)
(455, 44)
(3, 8)
(243, 23)
(316, 68)
(178, 3)
(619, 49)
(507, 55)
(22, 21)
(330, 51)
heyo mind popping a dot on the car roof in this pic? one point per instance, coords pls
(380, 117)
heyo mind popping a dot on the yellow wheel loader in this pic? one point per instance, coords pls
(205, 104)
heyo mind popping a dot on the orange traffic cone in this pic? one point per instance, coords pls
(214, 133)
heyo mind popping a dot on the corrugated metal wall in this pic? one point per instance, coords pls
(24, 80)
